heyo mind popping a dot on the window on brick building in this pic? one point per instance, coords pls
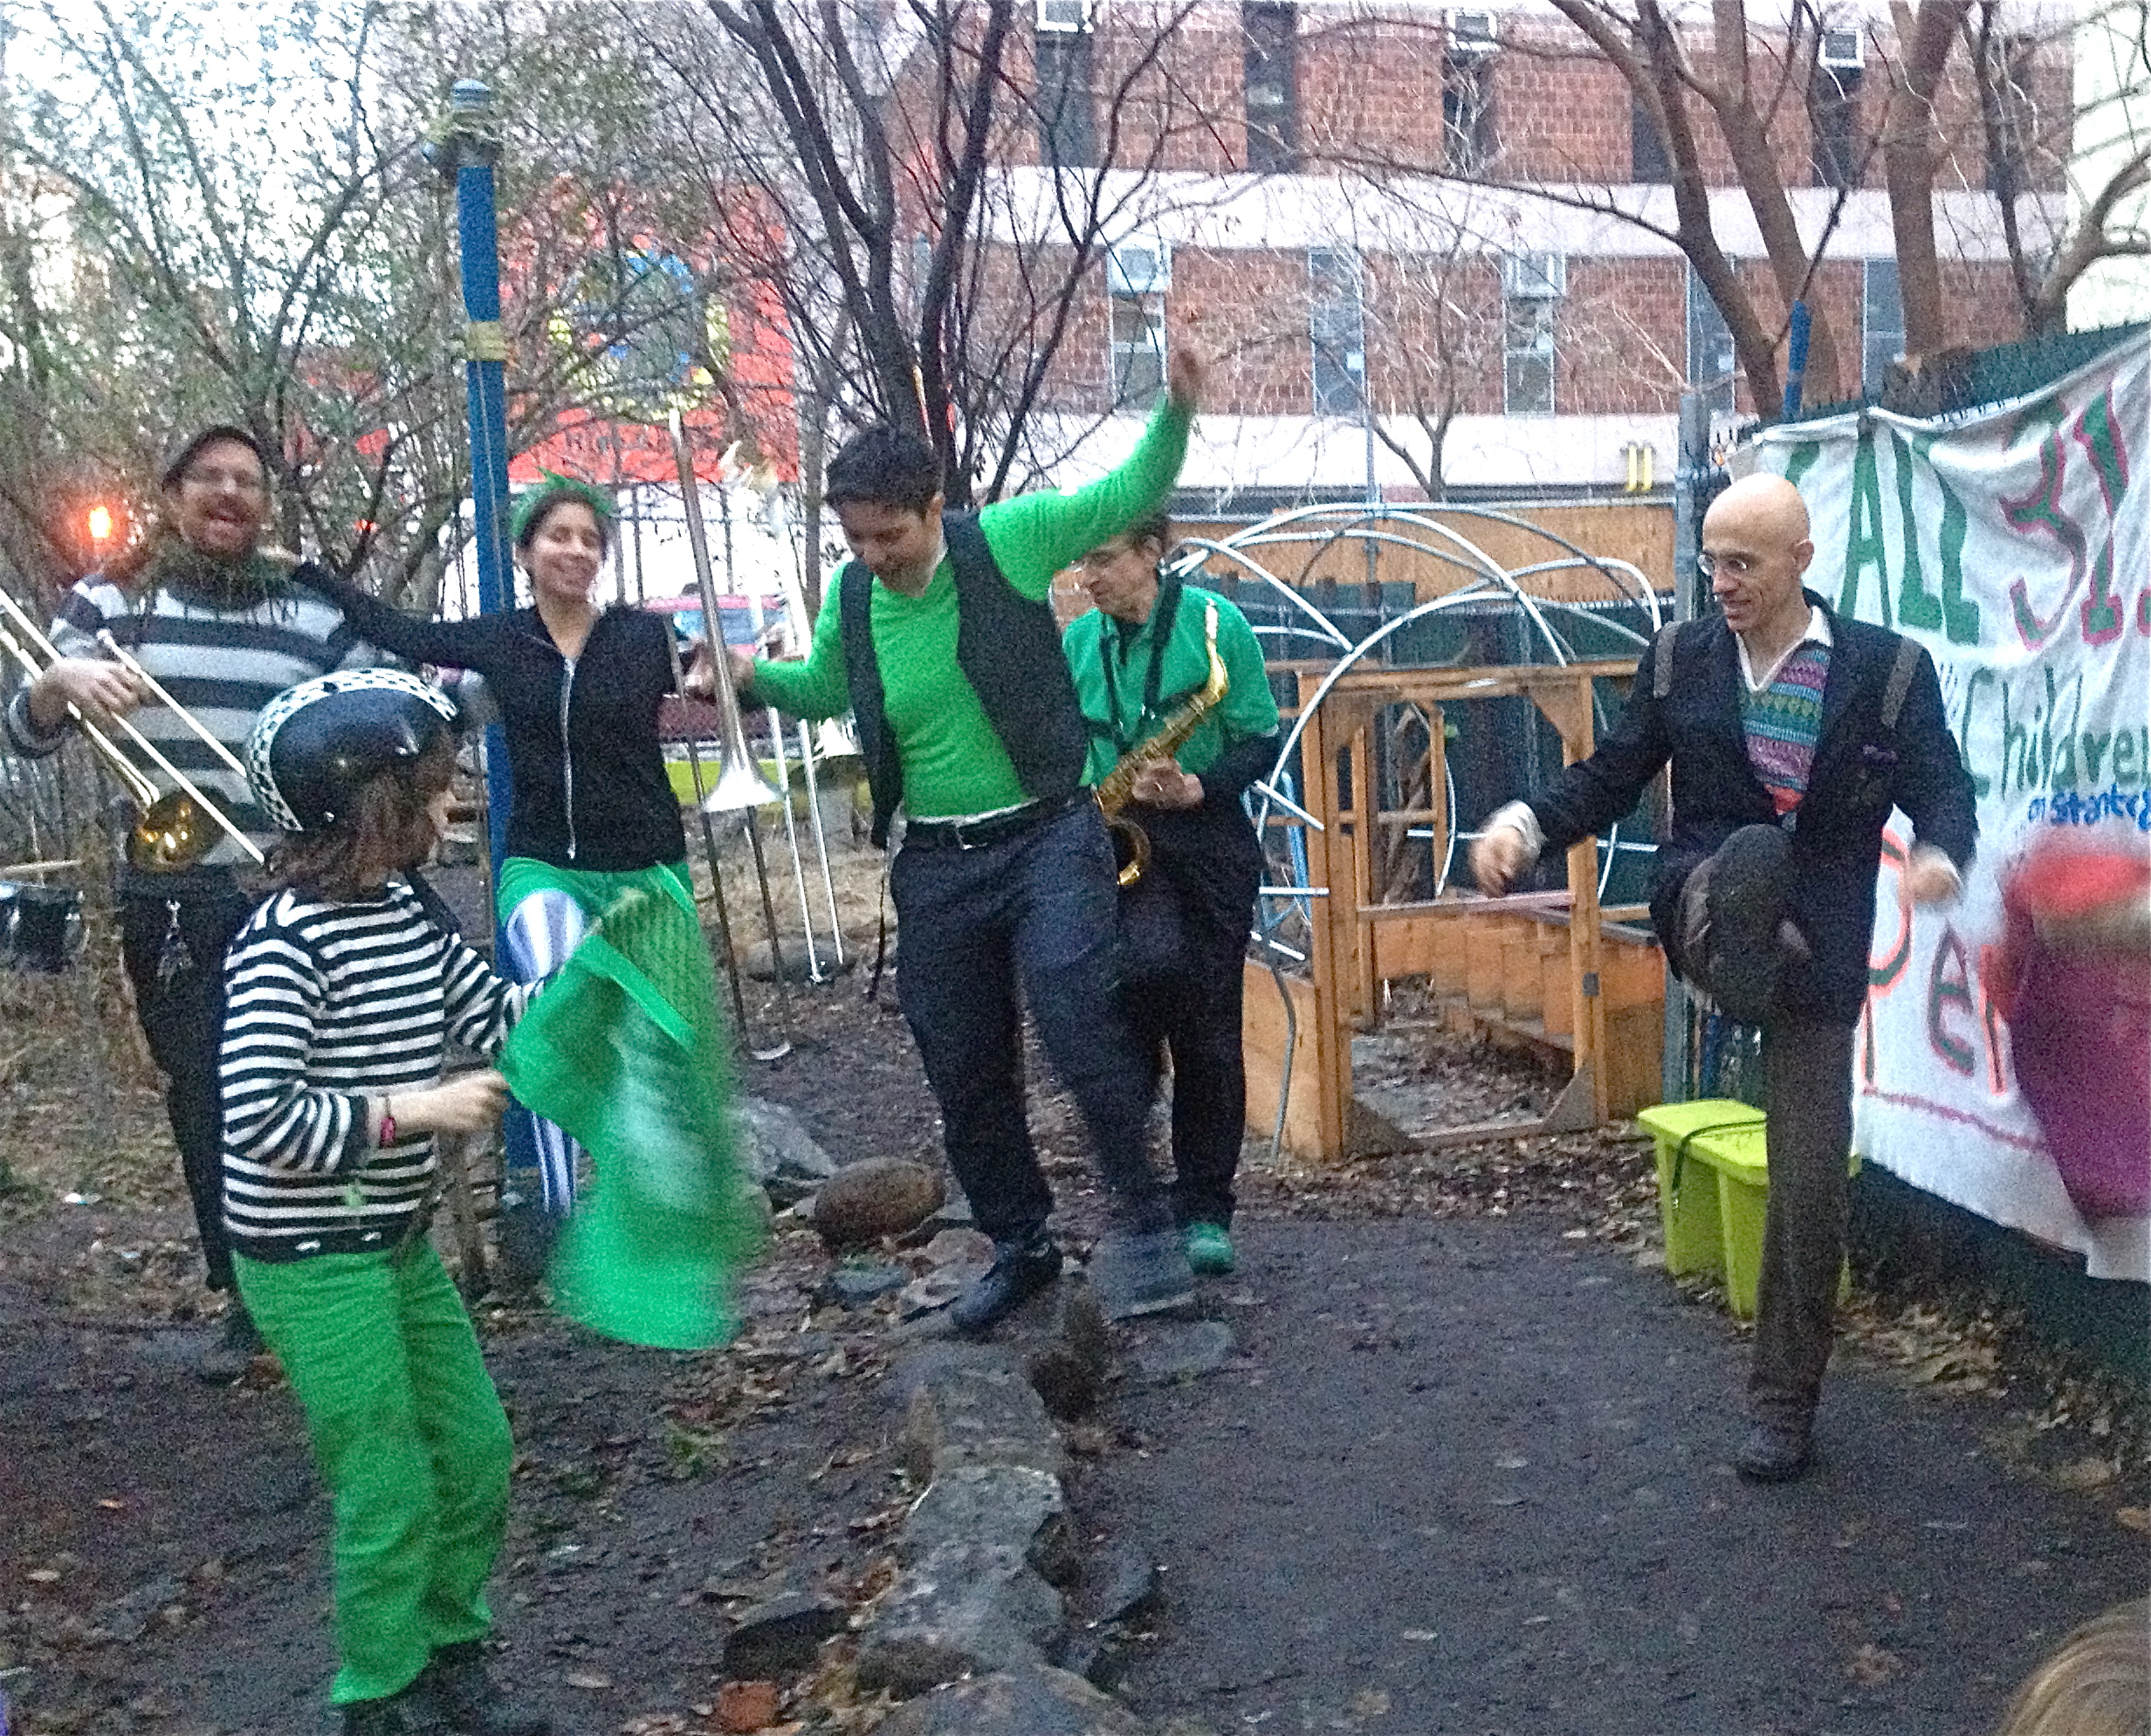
(2015, 117)
(1271, 68)
(1468, 58)
(1711, 357)
(1532, 286)
(1833, 108)
(1066, 135)
(1337, 330)
(1881, 323)
(1648, 164)
(1136, 277)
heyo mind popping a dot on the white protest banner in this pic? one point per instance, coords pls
(2012, 542)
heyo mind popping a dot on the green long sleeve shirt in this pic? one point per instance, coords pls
(953, 763)
(1248, 710)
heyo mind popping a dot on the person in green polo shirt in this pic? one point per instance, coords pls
(938, 637)
(1137, 658)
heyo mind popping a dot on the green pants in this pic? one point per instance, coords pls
(411, 1440)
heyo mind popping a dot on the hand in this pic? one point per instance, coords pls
(1500, 858)
(100, 691)
(470, 1103)
(1930, 876)
(1165, 785)
(699, 680)
(1187, 371)
(742, 671)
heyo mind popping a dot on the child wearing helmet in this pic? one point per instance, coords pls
(343, 992)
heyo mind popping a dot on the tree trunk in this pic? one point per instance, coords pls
(1910, 156)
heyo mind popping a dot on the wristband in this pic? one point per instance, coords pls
(386, 1137)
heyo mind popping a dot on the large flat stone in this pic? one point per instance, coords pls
(971, 1404)
(966, 1609)
(995, 1505)
(778, 1151)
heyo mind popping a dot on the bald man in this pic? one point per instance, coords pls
(1792, 733)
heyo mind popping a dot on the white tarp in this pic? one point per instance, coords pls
(2012, 542)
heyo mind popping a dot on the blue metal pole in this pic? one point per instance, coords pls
(1796, 359)
(472, 147)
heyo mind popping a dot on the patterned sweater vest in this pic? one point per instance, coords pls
(1783, 723)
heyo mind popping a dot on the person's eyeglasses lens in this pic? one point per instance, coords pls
(1709, 564)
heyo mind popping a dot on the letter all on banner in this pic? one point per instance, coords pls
(2014, 543)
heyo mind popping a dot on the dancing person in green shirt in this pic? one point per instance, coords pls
(940, 638)
(1137, 658)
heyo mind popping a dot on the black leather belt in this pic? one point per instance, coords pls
(998, 829)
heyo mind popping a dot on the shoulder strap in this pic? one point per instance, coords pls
(1900, 683)
(1661, 660)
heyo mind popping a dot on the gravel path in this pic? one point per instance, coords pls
(1470, 1477)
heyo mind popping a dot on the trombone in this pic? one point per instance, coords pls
(169, 832)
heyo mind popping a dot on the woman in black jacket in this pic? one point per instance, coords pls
(577, 688)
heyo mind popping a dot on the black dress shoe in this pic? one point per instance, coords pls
(1018, 1272)
(1770, 1454)
(412, 1712)
(471, 1702)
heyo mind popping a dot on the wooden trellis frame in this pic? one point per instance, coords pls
(1356, 943)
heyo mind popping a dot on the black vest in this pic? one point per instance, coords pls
(1008, 648)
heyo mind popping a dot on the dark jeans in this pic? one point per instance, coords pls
(1212, 865)
(1035, 912)
(182, 1015)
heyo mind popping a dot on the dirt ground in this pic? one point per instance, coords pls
(1346, 1540)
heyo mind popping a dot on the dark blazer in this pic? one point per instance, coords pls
(1861, 771)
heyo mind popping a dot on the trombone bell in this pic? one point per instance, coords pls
(170, 835)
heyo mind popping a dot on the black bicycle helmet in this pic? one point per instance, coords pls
(316, 745)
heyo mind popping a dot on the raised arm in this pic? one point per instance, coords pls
(461, 644)
(1034, 536)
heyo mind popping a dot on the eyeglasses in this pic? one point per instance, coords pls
(1733, 566)
(1100, 558)
(211, 480)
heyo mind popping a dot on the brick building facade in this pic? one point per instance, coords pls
(1423, 200)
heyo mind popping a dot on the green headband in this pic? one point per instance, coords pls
(535, 502)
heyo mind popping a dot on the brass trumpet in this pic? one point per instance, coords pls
(174, 828)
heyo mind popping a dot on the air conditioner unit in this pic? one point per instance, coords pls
(1067, 16)
(1841, 51)
(1473, 32)
(1143, 268)
(1534, 275)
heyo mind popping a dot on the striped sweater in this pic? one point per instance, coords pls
(222, 665)
(331, 1005)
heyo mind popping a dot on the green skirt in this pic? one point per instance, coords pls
(624, 1048)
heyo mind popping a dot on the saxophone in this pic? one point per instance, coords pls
(1130, 842)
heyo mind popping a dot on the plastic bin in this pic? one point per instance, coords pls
(1714, 1189)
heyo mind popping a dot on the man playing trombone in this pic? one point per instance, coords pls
(201, 616)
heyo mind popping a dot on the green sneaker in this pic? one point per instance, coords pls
(1209, 1250)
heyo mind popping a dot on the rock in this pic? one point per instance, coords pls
(1097, 1656)
(1033, 1700)
(855, 1285)
(881, 1197)
(998, 1506)
(960, 1247)
(127, 1618)
(1183, 1351)
(969, 1404)
(779, 1152)
(1124, 1584)
(965, 1610)
(784, 1634)
(935, 1290)
(955, 1214)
